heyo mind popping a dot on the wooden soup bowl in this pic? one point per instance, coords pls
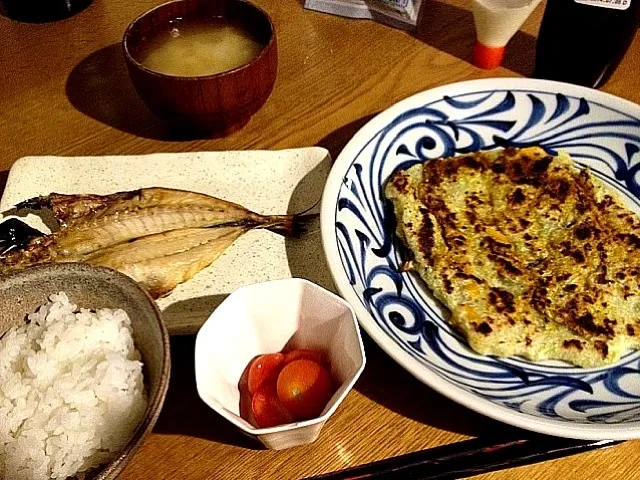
(212, 105)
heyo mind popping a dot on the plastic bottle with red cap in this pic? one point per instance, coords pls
(496, 22)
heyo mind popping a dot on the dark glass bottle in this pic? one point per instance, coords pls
(42, 11)
(582, 42)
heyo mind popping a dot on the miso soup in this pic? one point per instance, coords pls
(198, 48)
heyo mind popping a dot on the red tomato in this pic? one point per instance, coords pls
(304, 388)
(263, 369)
(315, 355)
(245, 396)
(267, 409)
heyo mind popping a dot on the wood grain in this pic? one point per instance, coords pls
(65, 91)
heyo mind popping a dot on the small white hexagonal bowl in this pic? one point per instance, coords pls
(266, 318)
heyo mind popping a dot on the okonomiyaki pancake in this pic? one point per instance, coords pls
(532, 255)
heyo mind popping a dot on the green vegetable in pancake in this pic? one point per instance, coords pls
(532, 255)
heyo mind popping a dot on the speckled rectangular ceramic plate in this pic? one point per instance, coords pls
(267, 182)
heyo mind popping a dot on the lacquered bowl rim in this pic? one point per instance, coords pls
(133, 61)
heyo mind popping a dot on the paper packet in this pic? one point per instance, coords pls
(397, 13)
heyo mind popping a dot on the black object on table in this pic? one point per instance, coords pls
(583, 42)
(467, 458)
(15, 234)
(43, 11)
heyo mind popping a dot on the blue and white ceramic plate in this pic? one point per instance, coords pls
(397, 310)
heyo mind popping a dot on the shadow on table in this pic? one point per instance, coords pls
(99, 86)
(184, 413)
(387, 383)
(305, 255)
(451, 29)
(185, 317)
(336, 140)
(4, 175)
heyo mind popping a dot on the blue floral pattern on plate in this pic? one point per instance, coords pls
(599, 131)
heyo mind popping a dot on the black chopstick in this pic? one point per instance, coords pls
(467, 458)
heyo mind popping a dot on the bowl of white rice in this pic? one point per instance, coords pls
(84, 369)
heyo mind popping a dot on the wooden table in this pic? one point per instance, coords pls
(65, 91)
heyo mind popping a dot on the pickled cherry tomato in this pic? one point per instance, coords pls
(304, 388)
(264, 369)
(299, 353)
(280, 388)
(267, 409)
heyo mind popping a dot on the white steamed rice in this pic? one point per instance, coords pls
(71, 391)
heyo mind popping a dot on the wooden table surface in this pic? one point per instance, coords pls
(64, 90)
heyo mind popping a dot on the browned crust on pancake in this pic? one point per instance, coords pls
(518, 242)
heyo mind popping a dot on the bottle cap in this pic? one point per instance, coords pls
(487, 57)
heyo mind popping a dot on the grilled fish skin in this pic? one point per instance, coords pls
(71, 209)
(532, 256)
(93, 222)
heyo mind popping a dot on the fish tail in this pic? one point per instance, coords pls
(289, 225)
